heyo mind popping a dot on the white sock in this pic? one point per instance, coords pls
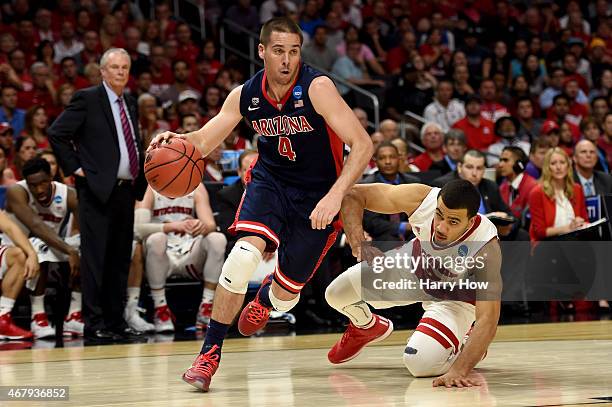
(133, 295)
(38, 304)
(208, 295)
(159, 297)
(6, 305)
(75, 302)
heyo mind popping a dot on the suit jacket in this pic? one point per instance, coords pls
(84, 136)
(601, 181)
(380, 226)
(441, 166)
(489, 192)
(228, 200)
(543, 210)
(521, 200)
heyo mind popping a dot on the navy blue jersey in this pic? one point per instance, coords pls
(296, 145)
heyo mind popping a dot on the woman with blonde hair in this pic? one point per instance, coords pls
(557, 204)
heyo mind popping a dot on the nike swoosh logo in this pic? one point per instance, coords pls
(253, 108)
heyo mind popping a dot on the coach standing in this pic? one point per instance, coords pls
(96, 139)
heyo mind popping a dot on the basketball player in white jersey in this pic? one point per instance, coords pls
(43, 207)
(179, 238)
(447, 227)
(18, 267)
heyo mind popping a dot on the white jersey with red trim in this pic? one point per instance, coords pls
(54, 215)
(449, 262)
(167, 210)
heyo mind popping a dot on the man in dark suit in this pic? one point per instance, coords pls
(96, 139)
(454, 147)
(395, 227)
(585, 159)
(228, 199)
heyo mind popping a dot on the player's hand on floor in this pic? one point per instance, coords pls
(32, 267)
(325, 211)
(452, 379)
(162, 138)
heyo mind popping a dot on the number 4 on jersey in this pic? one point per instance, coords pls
(285, 149)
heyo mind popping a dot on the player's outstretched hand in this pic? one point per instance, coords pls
(162, 138)
(453, 379)
(325, 211)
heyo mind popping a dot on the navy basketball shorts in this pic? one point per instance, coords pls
(279, 213)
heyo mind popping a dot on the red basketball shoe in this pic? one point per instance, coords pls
(204, 314)
(203, 368)
(355, 339)
(8, 330)
(255, 315)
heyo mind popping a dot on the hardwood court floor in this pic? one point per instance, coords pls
(527, 365)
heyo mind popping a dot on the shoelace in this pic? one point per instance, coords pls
(257, 313)
(207, 365)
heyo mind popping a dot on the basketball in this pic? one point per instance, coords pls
(174, 168)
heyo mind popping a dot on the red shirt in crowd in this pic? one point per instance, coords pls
(478, 137)
(396, 58)
(25, 100)
(606, 146)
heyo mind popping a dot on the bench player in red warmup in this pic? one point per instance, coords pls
(294, 189)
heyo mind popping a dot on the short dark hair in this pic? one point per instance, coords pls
(183, 117)
(461, 194)
(383, 145)
(598, 98)
(455, 135)
(179, 61)
(517, 152)
(475, 154)
(561, 96)
(539, 143)
(524, 99)
(35, 165)
(68, 58)
(279, 24)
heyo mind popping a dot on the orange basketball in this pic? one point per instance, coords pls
(175, 168)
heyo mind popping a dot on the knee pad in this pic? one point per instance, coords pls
(156, 244)
(425, 357)
(239, 267)
(282, 305)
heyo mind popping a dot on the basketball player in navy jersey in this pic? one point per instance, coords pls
(294, 189)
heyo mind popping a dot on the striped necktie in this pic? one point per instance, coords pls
(129, 140)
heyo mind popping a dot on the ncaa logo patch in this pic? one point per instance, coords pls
(57, 199)
(297, 92)
(462, 250)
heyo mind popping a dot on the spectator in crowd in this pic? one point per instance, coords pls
(404, 155)
(559, 113)
(498, 62)
(64, 95)
(387, 227)
(187, 50)
(406, 96)
(570, 65)
(43, 29)
(362, 116)
(521, 51)
(7, 178)
(397, 57)
(444, 110)
(372, 36)
(461, 85)
(92, 73)
(165, 20)
(68, 45)
(244, 14)
(69, 74)
(352, 69)
(529, 125)
(576, 109)
(557, 203)
(36, 123)
(475, 53)
(25, 149)
(234, 141)
(213, 170)
(188, 123)
(537, 152)
(43, 91)
(6, 142)
(182, 73)
(275, 8)
(517, 184)
(20, 77)
(91, 49)
(555, 87)
(506, 128)
(148, 117)
(600, 63)
(454, 148)
(8, 110)
(593, 182)
(56, 172)
(605, 142)
(110, 33)
(591, 131)
(535, 74)
(310, 17)
(207, 64)
(143, 84)
(160, 70)
(471, 167)
(478, 130)
(132, 46)
(599, 109)
(211, 104)
(604, 88)
(432, 138)
(490, 109)
(318, 52)
(351, 33)
(389, 129)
